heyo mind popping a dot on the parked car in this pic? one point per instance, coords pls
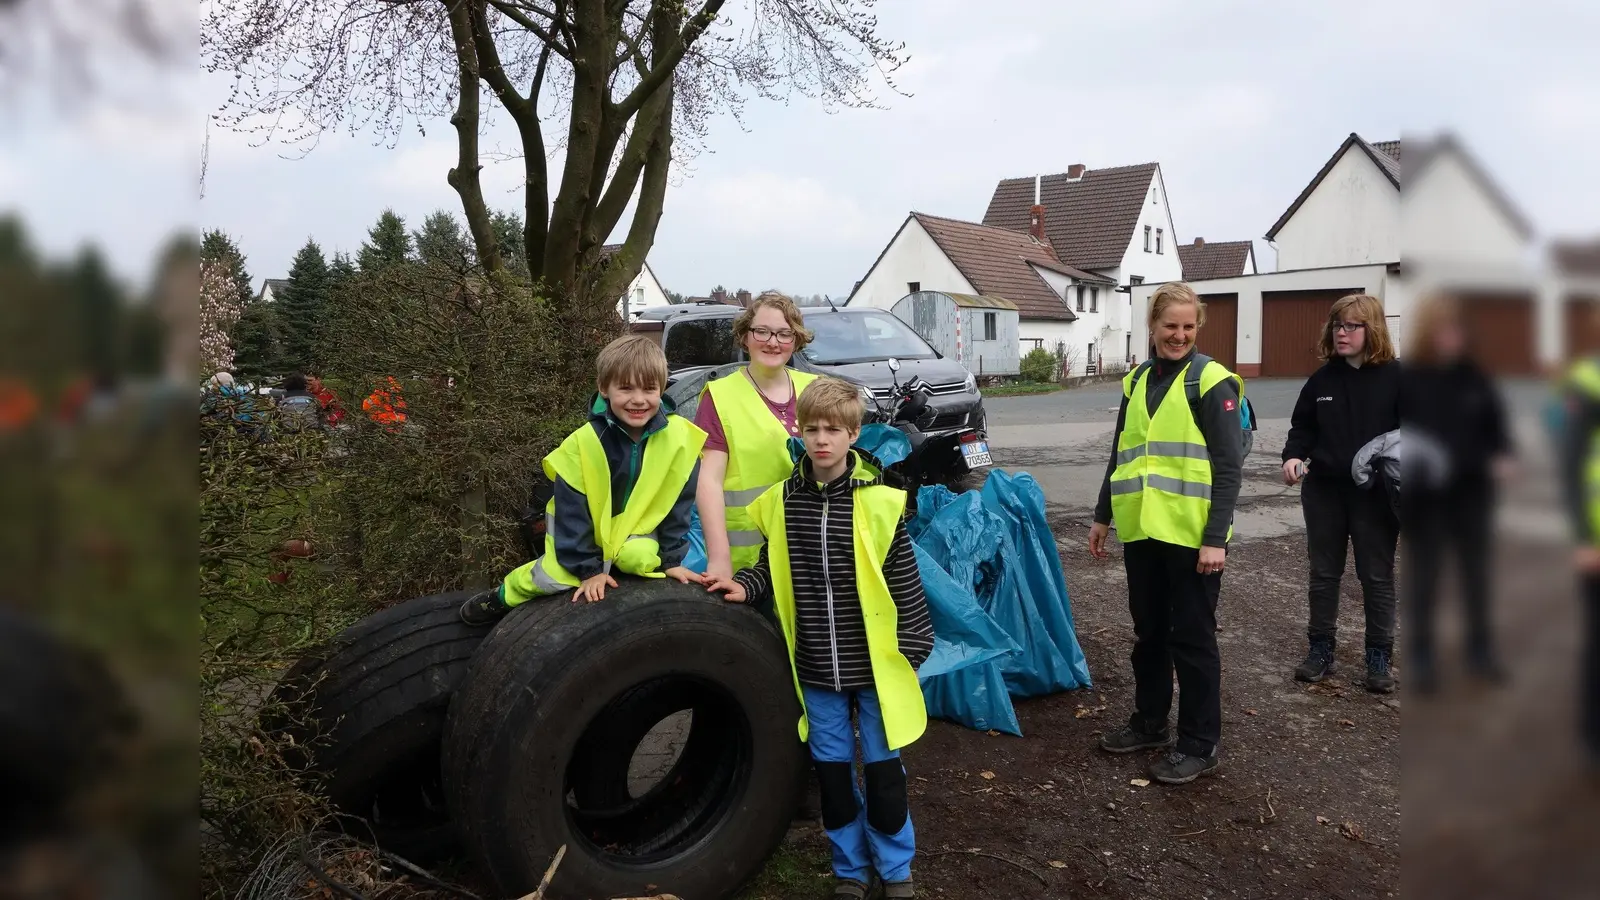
(949, 440)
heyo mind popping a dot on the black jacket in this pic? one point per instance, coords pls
(577, 550)
(1459, 407)
(830, 648)
(1341, 408)
(1224, 434)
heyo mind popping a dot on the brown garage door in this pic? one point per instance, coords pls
(1582, 331)
(1219, 339)
(1502, 329)
(1291, 324)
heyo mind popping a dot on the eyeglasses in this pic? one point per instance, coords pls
(1348, 327)
(784, 335)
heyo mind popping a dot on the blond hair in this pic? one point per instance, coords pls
(634, 360)
(831, 401)
(1368, 310)
(1174, 292)
(1431, 313)
(780, 302)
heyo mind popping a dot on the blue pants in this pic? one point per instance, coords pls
(871, 830)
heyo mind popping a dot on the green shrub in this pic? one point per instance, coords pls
(1039, 366)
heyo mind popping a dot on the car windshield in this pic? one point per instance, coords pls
(862, 337)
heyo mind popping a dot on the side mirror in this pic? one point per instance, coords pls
(894, 364)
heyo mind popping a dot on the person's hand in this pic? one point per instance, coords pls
(732, 591)
(1586, 559)
(1098, 532)
(1293, 471)
(684, 576)
(593, 588)
(1212, 560)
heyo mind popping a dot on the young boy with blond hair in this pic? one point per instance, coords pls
(839, 567)
(624, 490)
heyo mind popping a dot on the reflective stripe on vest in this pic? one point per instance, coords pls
(758, 455)
(628, 541)
(1161, 483)
(1584, 377)
(875, 513)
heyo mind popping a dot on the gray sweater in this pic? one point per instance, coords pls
(1224, 442)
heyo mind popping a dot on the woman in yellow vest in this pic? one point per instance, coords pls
(1171, 486)
(748, 418)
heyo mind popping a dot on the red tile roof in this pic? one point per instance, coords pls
(996, 262)
(1090, 222)
(1576, 257)
(1219, 259)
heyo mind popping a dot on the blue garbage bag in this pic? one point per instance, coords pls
(964, 635)
(1036, 574)
(889, 444)
(695, 558)
(975, 697)
(930, 500)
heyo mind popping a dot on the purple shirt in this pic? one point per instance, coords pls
(710, 422)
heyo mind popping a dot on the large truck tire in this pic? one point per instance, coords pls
(367, 714)
(557, 681)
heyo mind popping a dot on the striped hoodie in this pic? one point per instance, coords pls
(830, 635)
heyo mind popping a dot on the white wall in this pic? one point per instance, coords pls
(1448, 214)
(1155, 267)
(1352, 218)
(1250, 261)
(912, 256)
(1077, 336)
(644, 291)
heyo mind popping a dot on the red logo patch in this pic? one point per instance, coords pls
(1228, 405)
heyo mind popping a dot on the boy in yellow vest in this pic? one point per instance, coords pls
(624, 490)
(842, 575)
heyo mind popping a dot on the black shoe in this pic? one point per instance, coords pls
(1319, 662)
(1379, 679)
(484, 609)
(1130, 739)
(1181, 768)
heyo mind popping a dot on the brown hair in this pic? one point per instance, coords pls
(1368, 310)
(831, 400)
(635, 360)
(1431, 313)
(1170, 293)
(780, 302)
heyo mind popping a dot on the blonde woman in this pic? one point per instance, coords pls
(1352, 399)
(1171, 486)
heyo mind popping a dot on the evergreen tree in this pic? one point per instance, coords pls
(441, 242)
(388, 244)
(300, 310)
(341, 272)
(256, 343)
(216, 245)
(509, 234)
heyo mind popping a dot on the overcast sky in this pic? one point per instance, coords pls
(1240, 103)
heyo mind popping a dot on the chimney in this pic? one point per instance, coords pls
(1036, 198)
(743, 297)
(1036, 223)
(719, 295)
(1199, 242)
(1075, 171)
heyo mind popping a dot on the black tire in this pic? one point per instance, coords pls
(369, 712)
(972, 480)
(560, 679)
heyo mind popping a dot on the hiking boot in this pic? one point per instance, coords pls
(851, 889)
(484, 609)
(1319, 662)
(899, 890)
(1178, 767)
(1379, 679)
(1130, 739)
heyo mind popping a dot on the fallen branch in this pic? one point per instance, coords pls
(988, 855)
(1271, 812)
(549, 876)
(1192, 833)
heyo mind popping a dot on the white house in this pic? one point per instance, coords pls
(272, 289)
(1114, 222)
(1059, 306)
(1348, 215)
(643, 291)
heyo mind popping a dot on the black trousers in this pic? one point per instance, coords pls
(1175, 627)
(1339, 515)
(1454, 521)
(1589, 690)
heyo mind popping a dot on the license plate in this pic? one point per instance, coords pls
(976, 453)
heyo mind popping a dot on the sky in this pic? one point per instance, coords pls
(1240, 102)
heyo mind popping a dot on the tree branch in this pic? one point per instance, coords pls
(635, 156)
(465, 176)
(586, 126)
(627, 262)
(665, 64)
(549, 37)
(490, 68)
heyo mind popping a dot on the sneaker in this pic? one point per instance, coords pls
(1181, 768)
(484, 609)
(1379, 679)
(899, 890)
(851, 889)
(1130, 739)
(1319, 662)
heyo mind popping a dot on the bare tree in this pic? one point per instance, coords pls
(79, 50)
(611, 84)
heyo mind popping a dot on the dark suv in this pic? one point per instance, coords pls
(853, 344)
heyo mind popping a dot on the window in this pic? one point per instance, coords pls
(1158, 240)
(863, 337)
(991, 329)
(1136, 279)
(1090, 355)
(1080, 298)
(1094, 299)
(1127, 347)
(913, 286)
(1147, 239)
(700, 342)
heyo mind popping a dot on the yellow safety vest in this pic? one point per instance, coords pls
(875, 513)
(1161, 486)
(1584, 377)
(758, 455)
(627, 541)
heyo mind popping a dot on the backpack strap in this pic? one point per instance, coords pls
(1138, 373)
(1191, 382)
